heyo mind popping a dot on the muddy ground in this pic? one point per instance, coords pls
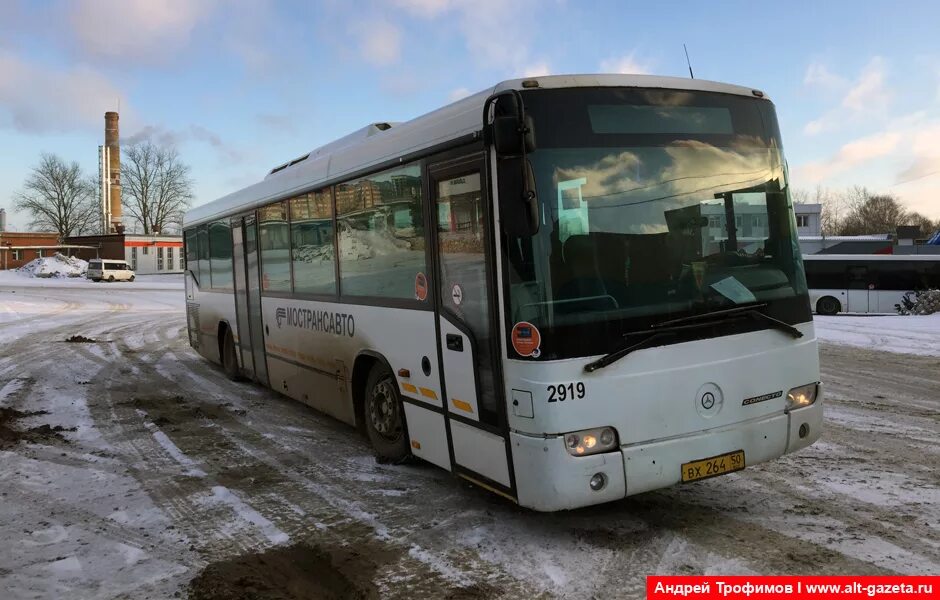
(178, 482)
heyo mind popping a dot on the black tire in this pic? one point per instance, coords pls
(229, 359)
(98, 280)
(110, 278)
(132, 278)
(385, 417)
(827, 305)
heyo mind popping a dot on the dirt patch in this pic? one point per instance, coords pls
(80, 339)
(298, 572)
(10, 436)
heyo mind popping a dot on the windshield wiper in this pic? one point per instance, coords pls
(750, 310)
(665, 328)
(651, 335)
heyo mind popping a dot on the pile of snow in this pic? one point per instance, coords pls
(919, 303)
(55, 266)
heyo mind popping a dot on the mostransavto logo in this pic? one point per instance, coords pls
(324, 321)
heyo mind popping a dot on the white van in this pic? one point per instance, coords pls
(109, 270)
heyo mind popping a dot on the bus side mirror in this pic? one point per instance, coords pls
(518, 202)
(508, 140)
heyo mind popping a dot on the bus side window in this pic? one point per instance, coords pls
(220, 254)
(858, 277)
(380, 231)
(312, 259)
(274, 238)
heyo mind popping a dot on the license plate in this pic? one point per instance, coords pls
(713, 467)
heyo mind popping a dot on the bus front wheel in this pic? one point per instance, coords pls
(827, 305)
(384, 416)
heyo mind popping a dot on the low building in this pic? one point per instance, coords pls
(146, 254)
(18, 248)
(880, 243)
(808, 219)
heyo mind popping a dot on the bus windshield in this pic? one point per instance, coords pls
(654, 205)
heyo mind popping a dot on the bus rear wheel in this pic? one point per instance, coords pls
(384, 417)
(827, 305)
(229, 360)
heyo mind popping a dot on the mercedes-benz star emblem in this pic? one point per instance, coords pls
(708, 400)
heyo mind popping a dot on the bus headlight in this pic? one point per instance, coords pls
(591, 441)
(802, 396)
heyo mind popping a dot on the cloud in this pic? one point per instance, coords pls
(853, 154)
(863, 97)
(458, 94)
(163, 136)
(924, 158)
(539, 69)
(39, 99)
(281, 123)
(819, 75)
(903, 158)
(627, 64)
(135, 30)
(427, 9)
(379, 42)
(869, 91)
(490, 28)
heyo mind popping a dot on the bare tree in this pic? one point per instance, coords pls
(872, 213)
(927, 227)
(155, 186)
(58, 197)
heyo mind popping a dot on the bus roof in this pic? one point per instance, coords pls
(381, 142)
(850, 257)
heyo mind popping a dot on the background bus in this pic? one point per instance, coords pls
(859, 283)
(613, 305)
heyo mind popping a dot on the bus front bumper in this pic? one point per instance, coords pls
(548, 478)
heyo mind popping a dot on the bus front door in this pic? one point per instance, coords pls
(248, 300)
(859, 289)
(468, 345)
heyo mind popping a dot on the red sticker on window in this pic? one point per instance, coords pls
(421, 287)
(526, 339)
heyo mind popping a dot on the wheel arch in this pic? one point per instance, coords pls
(827, 297)
(364, 363)
(220, 336)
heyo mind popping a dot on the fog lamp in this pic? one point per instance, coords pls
(598, 481)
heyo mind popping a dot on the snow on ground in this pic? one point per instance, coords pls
(172, 467)
(909, 334)
(170, 281)
(55, 266)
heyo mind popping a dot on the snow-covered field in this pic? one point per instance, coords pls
(171, 467)
(905, 334)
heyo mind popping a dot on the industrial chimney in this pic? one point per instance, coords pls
(112, 142)
(3, 220)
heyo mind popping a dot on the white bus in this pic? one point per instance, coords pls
(566, 289)
(867, 283)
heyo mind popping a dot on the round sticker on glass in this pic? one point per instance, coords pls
(456, 294)
(421, 287)
(526, 339)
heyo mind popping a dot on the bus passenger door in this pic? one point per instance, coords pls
(467, 329)
(858, 296)
(255, 337)
(243, 341)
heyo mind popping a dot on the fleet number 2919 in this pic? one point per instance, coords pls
(566, 391)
